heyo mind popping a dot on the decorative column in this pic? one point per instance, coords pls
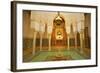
(40, 41)
(49, 43)
(49, 36)
(41, 30)
(35, 26)
(82, 35)
(68, 37)
(68, 42)
(34, 42)
(76, 40)
(81, 31)
(76, 35)
(82, 40)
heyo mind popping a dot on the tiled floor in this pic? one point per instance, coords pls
(47, 56)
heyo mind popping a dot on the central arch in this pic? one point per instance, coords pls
(59, 35)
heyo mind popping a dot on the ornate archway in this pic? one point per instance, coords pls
(59, 36)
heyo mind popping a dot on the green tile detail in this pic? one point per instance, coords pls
(42, 56)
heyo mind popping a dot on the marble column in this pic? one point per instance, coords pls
(68, 43)
(81, 41)
(41, 42)
(34, 42)
(82, 35)
(49, 43)
(76, 40)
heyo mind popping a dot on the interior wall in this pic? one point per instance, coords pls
(88, 22)
(27, 31)
(45, 17)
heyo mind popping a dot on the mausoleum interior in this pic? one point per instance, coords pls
(56, 36)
